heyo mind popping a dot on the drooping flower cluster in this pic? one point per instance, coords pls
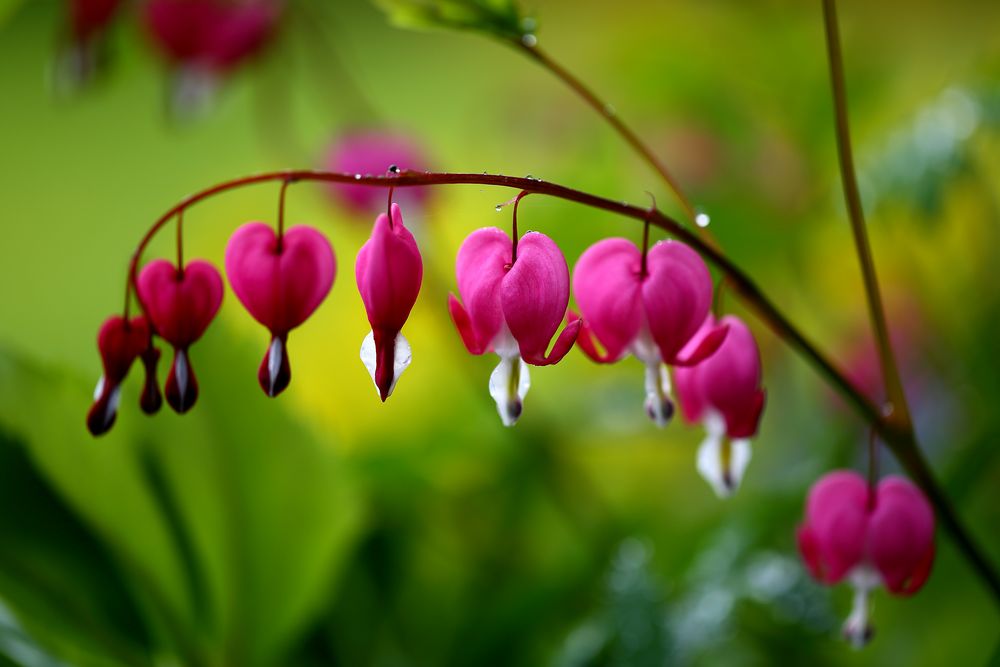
(870, 537)
(656, 306)
(202, 41)
(280, 279)
(513, 299)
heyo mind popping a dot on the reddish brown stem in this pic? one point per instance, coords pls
(901, 441)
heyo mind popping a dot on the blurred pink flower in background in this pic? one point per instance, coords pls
(204, 40)
(373, 151)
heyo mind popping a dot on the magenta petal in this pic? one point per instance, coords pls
(677, 295)
(389, 271)
(728, 381)
(606, 285)
(210, 33)
(535, 293)
(181, 304)
(702, 346)
(587, 341)
(464, 325)
(902, 535)
(280, 289)
(837, 518)
(482, 263)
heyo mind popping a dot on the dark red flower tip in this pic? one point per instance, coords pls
(120, 342)
(275, 372)
(182, 385)
(151, 399)
(89, 17)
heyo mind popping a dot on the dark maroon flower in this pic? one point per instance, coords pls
(119, 341)
(181, 303)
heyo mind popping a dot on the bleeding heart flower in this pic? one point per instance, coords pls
(512, 307)
(119, 341)
(650, 310)
(280, 284)
(871, 537)
(82, 52)
(388, 271)
(181, 303)
(90, 17)
(205, 39)
(373, 152)
(723, 392)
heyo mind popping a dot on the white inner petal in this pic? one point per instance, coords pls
(509, 384)
(659, 406)
(857, 628)
(644, 347)
(113, 401)
(402, 356)
(181, 372)
(99, 388)
(722, 462)
(275, 353)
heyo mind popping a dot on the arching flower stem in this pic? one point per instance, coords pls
(281, 210)
(897, 435)
(180, 243)
(513, 225)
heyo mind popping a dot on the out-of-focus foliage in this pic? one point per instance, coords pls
(500, 18)
(327, 528)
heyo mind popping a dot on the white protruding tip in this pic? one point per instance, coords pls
(402, 356)
(722, 462)
(275, 352)
(509, 391)
(182, 372)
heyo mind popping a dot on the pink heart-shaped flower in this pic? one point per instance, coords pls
(181, 304)
(280, 285)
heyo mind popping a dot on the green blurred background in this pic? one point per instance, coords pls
(326, 528)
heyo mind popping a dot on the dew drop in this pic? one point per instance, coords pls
(529, 39)
(393, 169)
(357, 177)
(528, 24)
(702, 220)
(498, 208)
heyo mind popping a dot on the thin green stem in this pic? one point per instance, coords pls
(852, 197)
(611, 116)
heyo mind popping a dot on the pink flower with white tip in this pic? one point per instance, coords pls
(280, 281)
(649, 307)
(724, 393)
(882, 536)
(388, 271)
(514, 301)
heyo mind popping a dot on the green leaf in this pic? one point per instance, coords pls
(8, 8)
(500, 18)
